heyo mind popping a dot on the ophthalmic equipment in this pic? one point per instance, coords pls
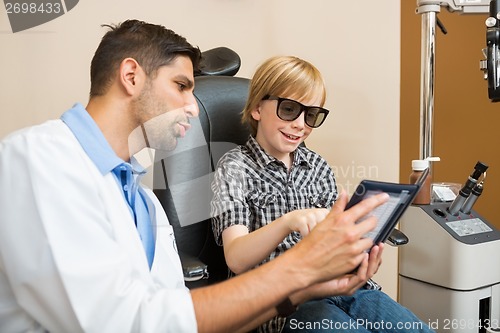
(449, 272)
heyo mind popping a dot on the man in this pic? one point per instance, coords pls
(84, 248)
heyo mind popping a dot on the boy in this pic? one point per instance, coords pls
(273, 191)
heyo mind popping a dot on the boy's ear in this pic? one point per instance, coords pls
(256, 113)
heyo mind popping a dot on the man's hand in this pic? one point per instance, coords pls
(375, 259)
(346, 284)
(336, 245)
(343, 285)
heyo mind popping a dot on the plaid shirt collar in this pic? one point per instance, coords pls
(264, 159)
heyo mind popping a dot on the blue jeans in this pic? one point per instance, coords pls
(365, 311)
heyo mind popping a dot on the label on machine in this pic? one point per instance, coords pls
(469, 227)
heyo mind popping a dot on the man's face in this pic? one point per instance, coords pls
(166, 103)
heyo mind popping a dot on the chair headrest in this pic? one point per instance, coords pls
(219, 61)
(222, 99)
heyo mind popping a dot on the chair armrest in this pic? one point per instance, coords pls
(193, 268)
(397, 238)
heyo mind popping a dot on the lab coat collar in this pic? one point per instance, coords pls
(91, 138)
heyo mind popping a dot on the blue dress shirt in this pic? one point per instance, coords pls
(128, 175)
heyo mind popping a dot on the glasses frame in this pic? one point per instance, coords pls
(303, 108)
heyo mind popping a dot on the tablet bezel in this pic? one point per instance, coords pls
(378, 186)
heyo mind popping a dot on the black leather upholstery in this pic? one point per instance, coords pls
(182, 178)
(219, 61)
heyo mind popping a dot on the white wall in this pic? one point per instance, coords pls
(354, 43)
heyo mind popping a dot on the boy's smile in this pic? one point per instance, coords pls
(279, 138)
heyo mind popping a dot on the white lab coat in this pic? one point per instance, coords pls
(70, 256)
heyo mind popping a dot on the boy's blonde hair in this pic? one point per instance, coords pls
(283, 76)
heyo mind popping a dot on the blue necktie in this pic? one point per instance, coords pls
(137, 201)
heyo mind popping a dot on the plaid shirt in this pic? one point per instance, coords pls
(252, 188)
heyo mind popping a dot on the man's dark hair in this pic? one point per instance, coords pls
(152, 46)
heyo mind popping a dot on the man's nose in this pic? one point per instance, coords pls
(191, 108)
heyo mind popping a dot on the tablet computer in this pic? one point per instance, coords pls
(388, 214)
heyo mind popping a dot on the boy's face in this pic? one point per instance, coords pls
(279, 137)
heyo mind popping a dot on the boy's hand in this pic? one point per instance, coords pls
(304, 220)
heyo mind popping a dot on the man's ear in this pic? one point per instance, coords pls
(131, 76)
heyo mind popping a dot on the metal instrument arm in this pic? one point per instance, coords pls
(461, 6)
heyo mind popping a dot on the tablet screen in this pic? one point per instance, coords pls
(384, 212)
(388, 214)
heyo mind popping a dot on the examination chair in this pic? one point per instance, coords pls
(182, 178)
